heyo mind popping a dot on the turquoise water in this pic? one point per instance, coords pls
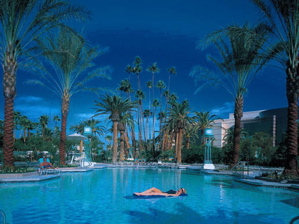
(104, 196)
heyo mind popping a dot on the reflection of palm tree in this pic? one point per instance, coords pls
(22, 22)
(71, 57)
(115, 107)
(282, 17)
(240, 51)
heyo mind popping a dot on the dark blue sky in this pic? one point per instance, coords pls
(162, 31)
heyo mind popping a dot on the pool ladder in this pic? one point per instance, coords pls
(294, 220)
(3, 216)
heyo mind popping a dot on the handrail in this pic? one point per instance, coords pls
(3, 216)
(294, 219)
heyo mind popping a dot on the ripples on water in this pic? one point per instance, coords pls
(105, 196)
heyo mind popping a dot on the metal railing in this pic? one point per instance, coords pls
(3, 215)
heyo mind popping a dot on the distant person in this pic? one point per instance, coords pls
(45, 163)
(156, 192)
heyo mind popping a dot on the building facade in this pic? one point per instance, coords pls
(273, 122)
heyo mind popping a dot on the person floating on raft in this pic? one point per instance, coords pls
(156, 192)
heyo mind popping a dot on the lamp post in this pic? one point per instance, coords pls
(87, 133)
(208, 136)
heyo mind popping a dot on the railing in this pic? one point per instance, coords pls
(244, 169)
(3, 216)
(294, 219)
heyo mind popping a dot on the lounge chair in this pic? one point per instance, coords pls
(47, 169)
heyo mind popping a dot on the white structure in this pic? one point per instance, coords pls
(221, 126)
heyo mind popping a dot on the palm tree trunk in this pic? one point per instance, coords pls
(9, 91)
(177, 146)
(65, 110)
(8, 138)
(188, 142)
(180, 141)
(292, 128)
(114, 156)
(122, 146)
(238, 114)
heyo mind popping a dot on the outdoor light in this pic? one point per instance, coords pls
(208, 135)
(87, 131)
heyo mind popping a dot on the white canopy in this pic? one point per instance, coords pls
(76, 136)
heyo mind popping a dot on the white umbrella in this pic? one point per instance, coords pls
(76, 136)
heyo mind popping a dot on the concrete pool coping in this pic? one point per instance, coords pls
(33, 178)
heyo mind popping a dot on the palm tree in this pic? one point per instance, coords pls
(179, 120)
(71, 58)
(240, 59)
(115, 106)
(56, 119)
(96, 129)
(22, 22)
(43, 122)
(154, 69)
(125, 120)
(136, 69)
(146, 115)
(282, 17)
(203, 120)
(155, 105)
(126, 87)
(140, 96)
(171, 71)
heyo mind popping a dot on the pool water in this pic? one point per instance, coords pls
(105, 196)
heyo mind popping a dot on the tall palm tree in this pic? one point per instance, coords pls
(72, 60)
(126, 87)
(140, 96)
(21, 23)
(146, 114)
(115, 106)
(282, 16)
(125, 120)
(179, 120)
(154, 69)
(240, 50)
(156, 103)
(172, 72)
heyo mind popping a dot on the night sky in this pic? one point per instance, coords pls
(162, 31)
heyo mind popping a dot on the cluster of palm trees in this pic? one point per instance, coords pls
(35, 34)
(176, 128)
(65, 65)
(244, 50)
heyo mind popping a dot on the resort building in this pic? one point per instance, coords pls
(273, 122)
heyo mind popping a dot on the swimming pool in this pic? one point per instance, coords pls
(104, 196)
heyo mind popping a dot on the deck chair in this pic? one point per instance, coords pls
(46, 169)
